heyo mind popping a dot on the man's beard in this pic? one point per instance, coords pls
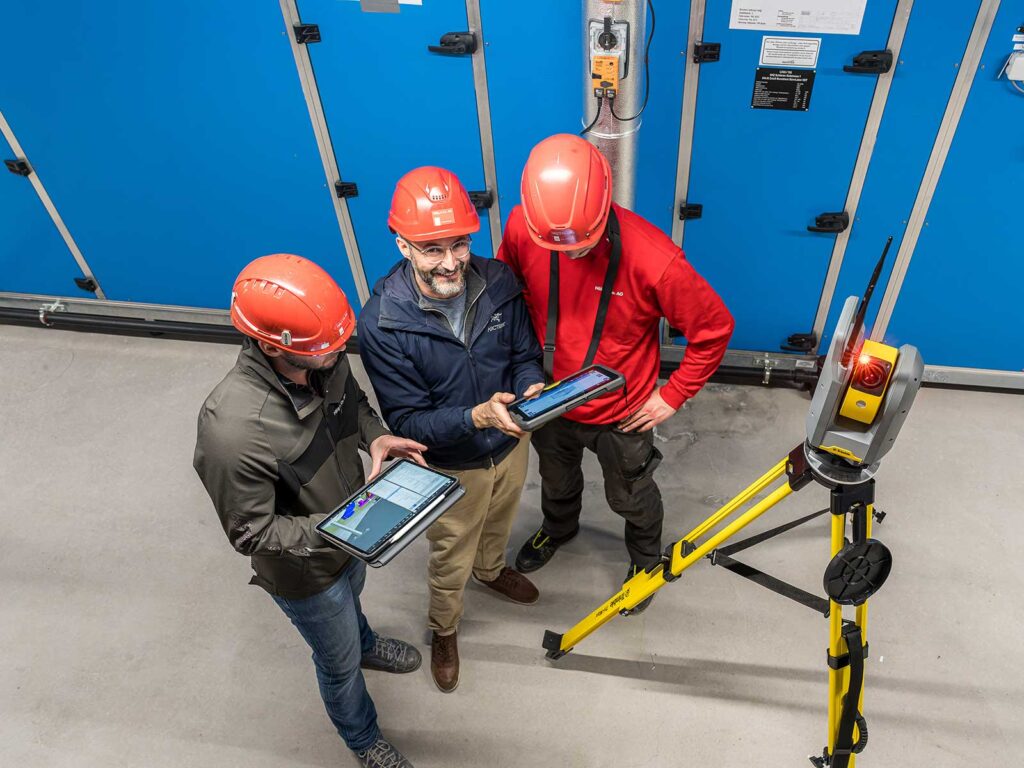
(307, 363)
(445, 288)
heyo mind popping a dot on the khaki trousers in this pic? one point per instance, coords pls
(470, 538)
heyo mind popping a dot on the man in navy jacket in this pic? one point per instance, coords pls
(447, 343)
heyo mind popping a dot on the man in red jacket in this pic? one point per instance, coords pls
(615, 276)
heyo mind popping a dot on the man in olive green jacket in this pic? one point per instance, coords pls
(277, 451)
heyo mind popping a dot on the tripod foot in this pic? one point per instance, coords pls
(553, 645)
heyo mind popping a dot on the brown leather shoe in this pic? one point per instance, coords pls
(513, 585)
(444, 661)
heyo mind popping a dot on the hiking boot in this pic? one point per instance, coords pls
(389, 655)
(538, 549)
(444, 661)
(512, 585)
(382, 755)
(642, 605)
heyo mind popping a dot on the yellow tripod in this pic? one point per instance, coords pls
(858, 568)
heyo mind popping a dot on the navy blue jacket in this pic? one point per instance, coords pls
(426, 378)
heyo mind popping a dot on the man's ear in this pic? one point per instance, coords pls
(403, 247)
(268, 349)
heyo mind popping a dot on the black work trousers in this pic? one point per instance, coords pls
(628, 461)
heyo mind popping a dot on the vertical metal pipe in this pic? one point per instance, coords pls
(617, 139)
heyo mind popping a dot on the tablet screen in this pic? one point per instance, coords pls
(371, 517)
(563, 392)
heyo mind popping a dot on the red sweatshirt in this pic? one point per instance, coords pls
(654, 280)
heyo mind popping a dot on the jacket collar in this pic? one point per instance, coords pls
(252, 360)
(400, 301)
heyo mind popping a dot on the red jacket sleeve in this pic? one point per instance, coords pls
(691, 306)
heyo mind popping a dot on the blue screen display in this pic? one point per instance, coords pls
(563, 392)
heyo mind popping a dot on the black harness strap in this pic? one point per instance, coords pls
(844, 745)
(602, 308)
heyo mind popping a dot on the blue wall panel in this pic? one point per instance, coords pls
(173, 138)
(392, 106)
(33, 256)
(534, 83)
(536, 91)
(763, 175)
(960, 301)
(929, 62)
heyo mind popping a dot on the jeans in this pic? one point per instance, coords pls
(333, 624)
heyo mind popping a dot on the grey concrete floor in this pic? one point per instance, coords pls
(130, 638)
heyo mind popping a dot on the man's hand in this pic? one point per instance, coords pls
(387, 446)
(655, 411)
(534, 389)
(494, 413)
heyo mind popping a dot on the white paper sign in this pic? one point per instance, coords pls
(837, 17)
(790, 51)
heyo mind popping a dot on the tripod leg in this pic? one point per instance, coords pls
(644, 584)
(862, 622)
(836, 644)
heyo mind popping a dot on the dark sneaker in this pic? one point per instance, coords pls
(538, 549)
(642, 605)
(444, 661)
(383, 755)
(389, 655)
(512, 585)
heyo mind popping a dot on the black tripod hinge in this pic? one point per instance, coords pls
(797, 468)
(848, 498)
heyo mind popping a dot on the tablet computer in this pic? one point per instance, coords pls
(386, 514)
(564, 395)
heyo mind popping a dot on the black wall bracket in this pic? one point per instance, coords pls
(481, 199)
(870, 63)
(19, 166)
(706, 52)
(345, 189)
(832, 222)
(690, 211)
(455, 44)
(306, 33)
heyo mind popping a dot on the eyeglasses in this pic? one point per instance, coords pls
(436, 253)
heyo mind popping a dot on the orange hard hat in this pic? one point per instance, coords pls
(567, 193)
(292, 304)
(429, 203)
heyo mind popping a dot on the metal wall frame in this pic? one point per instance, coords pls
(897, 33)
(943, 140)
(51, 209)
(687, 117)
(483, 113)
(105, 307)
(290, 13)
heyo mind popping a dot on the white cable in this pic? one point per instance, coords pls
(1016, 87)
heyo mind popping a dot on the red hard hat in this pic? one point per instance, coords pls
(567, 193)
(292, 304)
(430, 203)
